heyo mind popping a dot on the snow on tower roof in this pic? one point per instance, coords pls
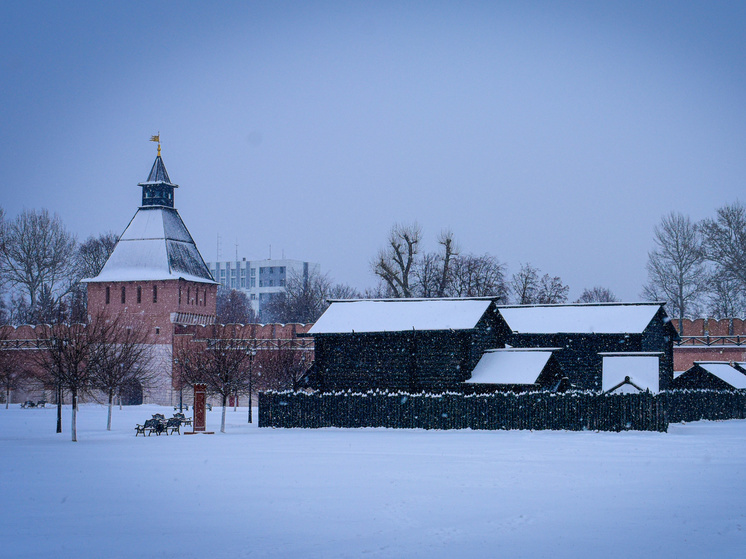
(156, 245)
(725, 372)
(345, 317)
(510, 366)
(596, 318)
(158, 173)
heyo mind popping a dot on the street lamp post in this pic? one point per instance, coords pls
(251, 353)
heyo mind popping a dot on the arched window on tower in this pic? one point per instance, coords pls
(108, 295)
(124, 298)
(155, 293)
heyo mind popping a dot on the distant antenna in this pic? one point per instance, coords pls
(218, 249)
(283, 254)
(270, 252)
(236, 249)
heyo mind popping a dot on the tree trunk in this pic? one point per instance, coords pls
(75, 417)
(222, 419)
(111, 403)
(7, 398)
(59, 408)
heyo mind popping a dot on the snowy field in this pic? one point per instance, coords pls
(366, 493)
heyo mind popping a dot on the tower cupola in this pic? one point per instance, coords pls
(158, 190)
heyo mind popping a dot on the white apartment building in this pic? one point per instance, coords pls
(259, 279)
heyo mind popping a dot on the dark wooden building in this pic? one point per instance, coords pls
(593, 337)
(712, 375)
(402, 344)
(435, 345)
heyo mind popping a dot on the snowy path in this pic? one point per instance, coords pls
(372, 492)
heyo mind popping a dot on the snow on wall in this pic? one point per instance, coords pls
(643, 370)
(401, 315)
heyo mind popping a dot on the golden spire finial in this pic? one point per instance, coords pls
(157, 138)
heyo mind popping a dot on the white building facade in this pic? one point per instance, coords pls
(260, 279)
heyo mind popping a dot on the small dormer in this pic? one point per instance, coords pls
(158, 189)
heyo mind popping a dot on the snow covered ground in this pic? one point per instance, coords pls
(370, 492)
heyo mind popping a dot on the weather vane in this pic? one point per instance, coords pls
(157, 138)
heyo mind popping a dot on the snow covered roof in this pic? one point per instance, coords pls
(156, 245)
(725, 372)
(642, 369)
(510, 366)
(610, 318)
(345, 317)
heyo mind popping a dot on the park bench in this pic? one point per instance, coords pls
(151, 426)
(41, 404)
(28, 404)
(173, 424)
(183, 419)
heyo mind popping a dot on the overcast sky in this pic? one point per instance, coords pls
(553, 133)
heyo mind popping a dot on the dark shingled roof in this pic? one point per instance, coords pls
(158, 173)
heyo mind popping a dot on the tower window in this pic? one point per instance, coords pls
(139, 294)
(124, 298)
(108, 295)
(180, 294)
(155, 293)
(189, 295)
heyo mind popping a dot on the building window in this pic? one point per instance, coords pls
(180, 294)
(189, 295)
(124, 298)
(282, 282)
(253, 272)
(108, 295)
(204, 300)
(243, 282)
(282, 269)
(157, 330)
(139, 294)
(253, 282)
(253, 296)
(155, 295)
(271, 283)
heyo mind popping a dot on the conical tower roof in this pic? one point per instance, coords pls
(156, 245)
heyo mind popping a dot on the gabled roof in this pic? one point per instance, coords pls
(156, 245)
(510, 366)
(725, 372)
(595, 318)
(158, 174)
(400, 315)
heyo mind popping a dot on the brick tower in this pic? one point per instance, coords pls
(156, 274)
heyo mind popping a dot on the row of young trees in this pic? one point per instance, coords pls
(100, 358)
(699, 268)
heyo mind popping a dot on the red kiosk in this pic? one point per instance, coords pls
(199, 420)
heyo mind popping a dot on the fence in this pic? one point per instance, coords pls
(574, 411)
(694, 405)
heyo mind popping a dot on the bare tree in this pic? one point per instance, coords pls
(13, 375)
(36, 257)
(677, 271)
(597, 294)
(281, 368)
(234, 307)
(432, 272)
(725, 244)
(477, 276)
(552, 291)
(394, 264)
(119, 356)
(94, 252)
(221, 362)
(524, 285)
(725, 298)
(304, 299)
(65, 351)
